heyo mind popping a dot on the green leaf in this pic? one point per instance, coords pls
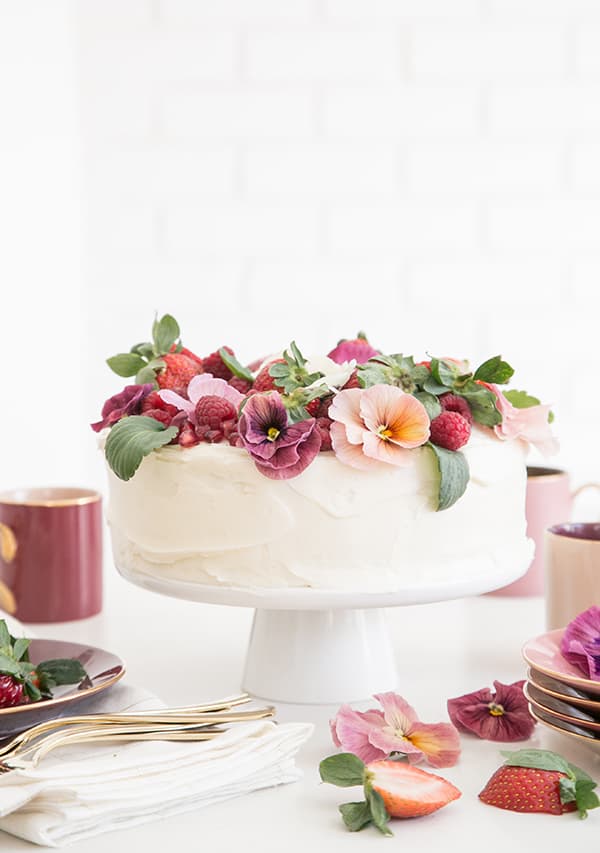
(443, 372)
(126, 363)
(454, 475)
(373, 373)
(298, 357)
(131, 439)
(146, 375)
(494, 370)
(5, 638)
(34, 693)
(433, 387)
(145, 349)
(233, 364)
(431, 403)
(482, 404)
(567, 790)
(20, 647)
(585, 796)
(521, 399)
(165, 332)
(420, 374)
(343, 770)
(356, 815)
(60, 671)
(8, 666)
(379, 814)
(541, 759)
(580, 774)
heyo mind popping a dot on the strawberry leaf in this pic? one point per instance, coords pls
(8, 666)
(5, 638)
(343, 770)
(126, 363)
(521, 399)
(430, 402)
(234, 365)
(454, 475)
(356, 815)
(20, 647)
(540, 759)
(59, 671)
(494, 370)
(379, 814)
(164, 333)
(131, 439)
(585, 796)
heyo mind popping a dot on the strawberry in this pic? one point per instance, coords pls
(191, 355)
(12, 692)
(177, 373)
(264, 381)
(215, 365)
(537, 780)
(407, 791)
(241, 385)
(391, 788)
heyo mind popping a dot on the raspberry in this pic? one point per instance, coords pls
(264, 381)
(352, 381)
(211, 411)
(11, 692)
(323, 426)
(454, 403)
(241, 385)
(155, 401)
(450, 430)
(159, 415)
(215, 365)
(313, 407)
(324, 404)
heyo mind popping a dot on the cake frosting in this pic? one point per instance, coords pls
(206, 515)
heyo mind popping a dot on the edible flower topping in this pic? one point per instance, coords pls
(375, 734)
(280, 450)
(126, 402)
(377, 424)
(580, 643)
(531, 423)
(204, 385)
(502, 715)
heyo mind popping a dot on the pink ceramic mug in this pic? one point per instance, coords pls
(549, 500)
(51, 554)
(572, 570)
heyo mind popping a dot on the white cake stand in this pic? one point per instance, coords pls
(318, 646)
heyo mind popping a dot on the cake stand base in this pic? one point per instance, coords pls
(319, 656)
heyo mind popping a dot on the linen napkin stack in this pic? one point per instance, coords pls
(87, 789)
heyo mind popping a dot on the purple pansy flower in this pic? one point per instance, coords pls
(501, 716)
(580, 643)
(280, 450)
(127, 402)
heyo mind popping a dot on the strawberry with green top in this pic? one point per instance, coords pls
(164, 362)
(391, 788)
(21, 681)
(538, 780)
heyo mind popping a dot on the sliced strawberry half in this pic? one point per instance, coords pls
(408, 791)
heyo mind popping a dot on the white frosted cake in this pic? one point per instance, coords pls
(368, 473)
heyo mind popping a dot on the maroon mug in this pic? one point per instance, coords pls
(51, 553)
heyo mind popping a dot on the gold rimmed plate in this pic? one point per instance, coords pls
(103, 668)
(560, 709)
(543, 654)
(565, 692)
(571, 730)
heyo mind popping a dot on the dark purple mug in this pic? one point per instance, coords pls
(51, 553)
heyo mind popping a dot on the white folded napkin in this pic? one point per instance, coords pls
(87, 789)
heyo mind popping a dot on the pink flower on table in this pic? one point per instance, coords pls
(530, 424)
(203, 385)
(502, 715)
(375, 734)
(377, 424)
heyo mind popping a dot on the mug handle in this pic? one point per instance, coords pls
(8, 552)
(585, 486)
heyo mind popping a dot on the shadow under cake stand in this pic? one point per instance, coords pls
(310, 646)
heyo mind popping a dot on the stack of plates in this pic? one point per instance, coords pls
(559, 694)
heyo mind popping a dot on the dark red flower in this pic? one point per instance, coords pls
(500, 716)
(126, 402)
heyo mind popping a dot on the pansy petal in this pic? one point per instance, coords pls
(205, 385)
(396, 710)
(305, 451)
(377, 404)
(352, 729)
(345, 409)
(177, 400)
(439, 742)
(385, 451)
(349, 454)
(388, 741)
(467, 711)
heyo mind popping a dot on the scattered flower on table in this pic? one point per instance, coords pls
(502, 715)
(376, 734)
(580, 643)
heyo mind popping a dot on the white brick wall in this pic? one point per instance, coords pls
(425, 169)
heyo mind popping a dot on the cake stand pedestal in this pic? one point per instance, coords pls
(319, 646)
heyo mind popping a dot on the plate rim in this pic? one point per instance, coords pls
(574, 700)
(591, 724)
(575, 680)
(63, 700)
(583, 738)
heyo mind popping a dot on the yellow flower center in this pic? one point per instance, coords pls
(384, 432)
(496, 710)
(273, 433)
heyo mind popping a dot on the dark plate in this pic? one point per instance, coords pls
(103, 668)
(560, 708)
(558, 725)
(561, 690)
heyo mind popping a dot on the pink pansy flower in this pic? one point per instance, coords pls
(203, 385)
(530, 424)
(580, 643)
(502, 715)
(375, 734)
(377, 424)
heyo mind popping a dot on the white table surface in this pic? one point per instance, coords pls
(188, 652)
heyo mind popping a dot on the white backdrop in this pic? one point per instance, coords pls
(426, 170)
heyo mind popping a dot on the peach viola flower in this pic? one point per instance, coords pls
(530, 424)
(377, 424)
